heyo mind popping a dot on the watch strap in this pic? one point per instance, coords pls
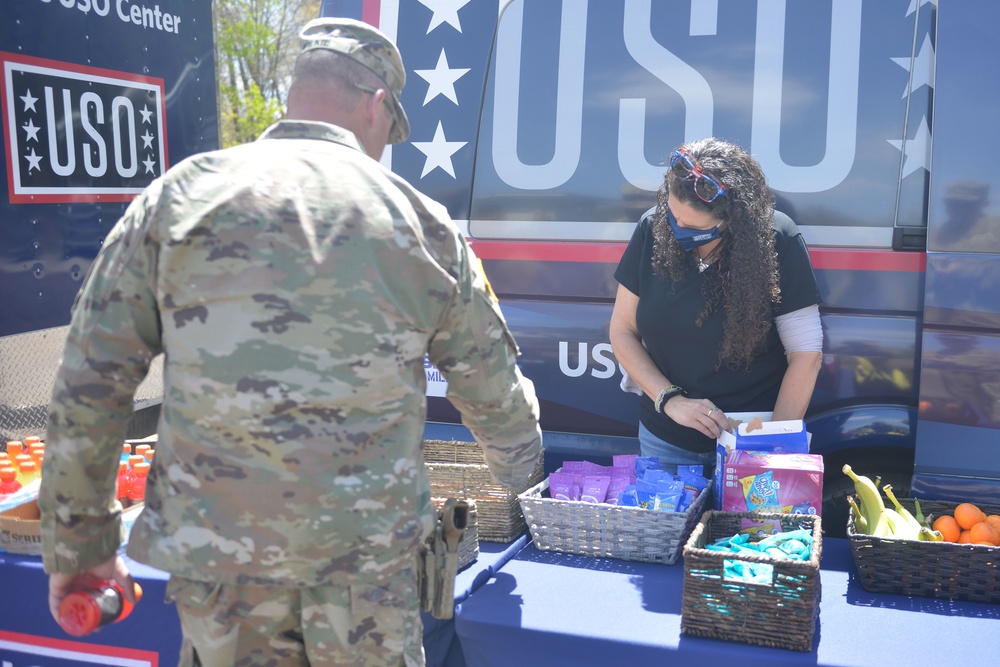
(666, 394)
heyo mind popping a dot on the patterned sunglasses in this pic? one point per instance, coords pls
(684, 166)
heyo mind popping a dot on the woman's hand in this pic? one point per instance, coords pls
(700, 414)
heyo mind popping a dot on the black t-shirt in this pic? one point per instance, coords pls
(688, 355)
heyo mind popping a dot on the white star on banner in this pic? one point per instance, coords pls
(147, 140)
(29, 101)
(923, 66)
(33, 161)
(148, 163)
(438, 152)
(913, 5)
(445, 11)
(917, 149)
(441, 80)
(146, 113)
(31, 131)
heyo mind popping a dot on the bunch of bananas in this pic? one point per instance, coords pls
(873, 517)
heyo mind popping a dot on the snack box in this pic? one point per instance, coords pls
(782, 437)
(755, 481)
(725, 445)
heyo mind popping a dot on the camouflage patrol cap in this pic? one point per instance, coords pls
(370, 47)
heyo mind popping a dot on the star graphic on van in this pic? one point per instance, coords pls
(915, 4)
(31, 132)
(146, 113)
(29, 100)
(438, 151)
(922, 71)
(441, 80)
(34, 161)
(445, 11)
(917, 149)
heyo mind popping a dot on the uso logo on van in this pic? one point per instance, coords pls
(76, 133)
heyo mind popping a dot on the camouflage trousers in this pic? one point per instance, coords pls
(363, 626)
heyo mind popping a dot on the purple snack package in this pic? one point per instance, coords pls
(619, 480)
(624, 460)
(561, 485)
(595, 488)
(628, 471)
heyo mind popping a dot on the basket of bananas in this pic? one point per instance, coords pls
(928, 548)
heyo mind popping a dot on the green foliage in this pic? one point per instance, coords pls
(256, 45)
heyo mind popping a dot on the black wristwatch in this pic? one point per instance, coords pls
(666, 395)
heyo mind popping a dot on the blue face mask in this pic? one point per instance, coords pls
(692, 238)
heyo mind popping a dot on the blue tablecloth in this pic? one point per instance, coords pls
(152, 635)
(563, 610)
(441, 645)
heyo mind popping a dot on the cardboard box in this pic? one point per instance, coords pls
(20, 530)
(724, 446)
(776, 483)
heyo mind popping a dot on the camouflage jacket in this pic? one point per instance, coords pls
(295, 286)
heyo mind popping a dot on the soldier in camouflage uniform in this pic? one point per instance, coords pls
(295, 285)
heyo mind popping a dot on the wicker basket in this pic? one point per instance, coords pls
(928, 569)
(609, 531)
(780, 615)
(458, 470)
(468, 548)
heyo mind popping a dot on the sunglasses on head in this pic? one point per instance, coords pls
(684, 166)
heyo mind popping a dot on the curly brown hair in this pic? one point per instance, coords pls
(743, 281)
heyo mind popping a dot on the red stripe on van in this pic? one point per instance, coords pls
(371, 12)
(822, 258)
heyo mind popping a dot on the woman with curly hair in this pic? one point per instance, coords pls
(717, 306)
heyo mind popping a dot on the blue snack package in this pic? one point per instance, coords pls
(645, 492)
(628, 497)
(668, 495)
(759, 491)
(693, 485)
(698, 470)
(655, 475)
(642, 463)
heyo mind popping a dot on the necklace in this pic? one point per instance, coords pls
(711, 257)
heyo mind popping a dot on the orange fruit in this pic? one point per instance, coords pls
(984, 533)
(968, 515)
(994, 520)
(964, 538)
(948, 527)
